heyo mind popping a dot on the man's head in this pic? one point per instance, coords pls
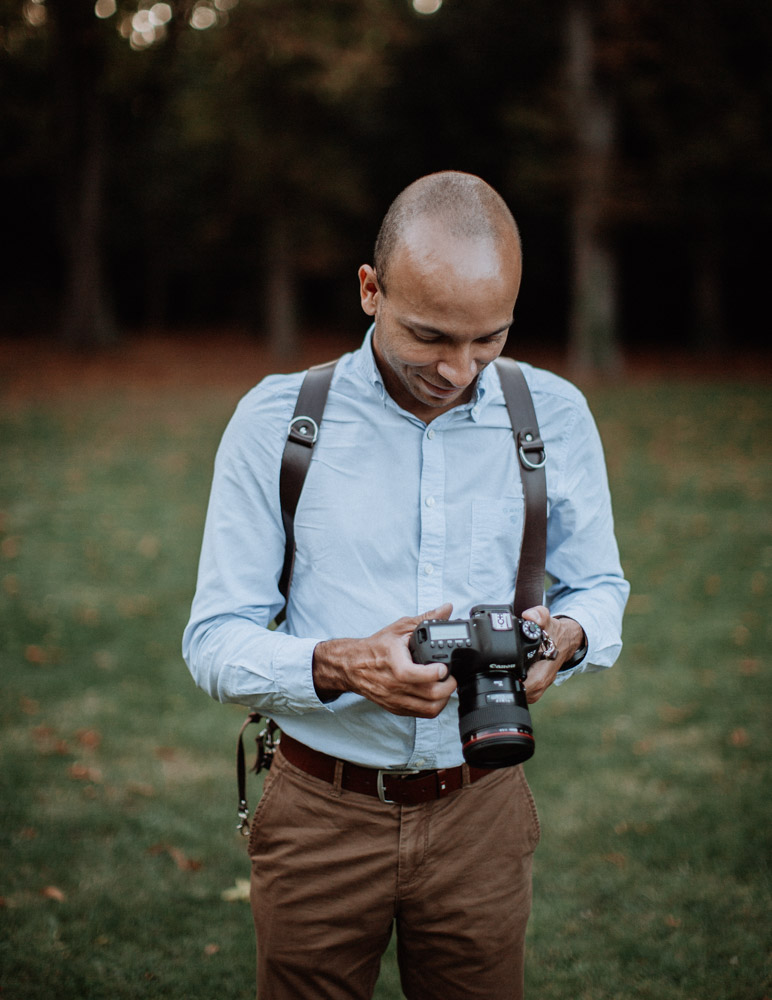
(442, 289)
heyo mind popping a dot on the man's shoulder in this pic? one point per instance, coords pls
(273, 391)
(547, 384)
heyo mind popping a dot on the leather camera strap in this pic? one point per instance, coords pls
(301, 438)
(529, 588)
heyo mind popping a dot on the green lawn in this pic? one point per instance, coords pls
(118, 790)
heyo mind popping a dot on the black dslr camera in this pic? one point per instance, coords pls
(489, 654)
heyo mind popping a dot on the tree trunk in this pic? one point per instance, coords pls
(87, 318)
(592, 328)
(281, 291)
(708, 332)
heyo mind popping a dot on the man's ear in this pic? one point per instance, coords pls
(369, 290)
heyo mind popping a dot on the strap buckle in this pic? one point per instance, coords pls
(529, 442)
(303, 430)
(397, 772)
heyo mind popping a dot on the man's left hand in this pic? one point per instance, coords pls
(567, 635)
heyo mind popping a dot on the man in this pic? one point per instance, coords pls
(412, 508)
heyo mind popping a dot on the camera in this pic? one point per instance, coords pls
(489, 654)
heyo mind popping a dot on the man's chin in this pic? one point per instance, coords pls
(436, 396)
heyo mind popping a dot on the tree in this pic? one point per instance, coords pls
(593, 326)
(261, 104)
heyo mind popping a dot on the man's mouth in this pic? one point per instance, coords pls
(441, 392)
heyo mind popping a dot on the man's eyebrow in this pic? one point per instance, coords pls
(423, 328)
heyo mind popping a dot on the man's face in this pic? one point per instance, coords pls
(445, 315)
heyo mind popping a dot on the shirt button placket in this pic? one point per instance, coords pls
(430, 576)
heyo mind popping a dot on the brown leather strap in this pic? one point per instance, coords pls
(390, 786)
(301, 438)
(529, 588)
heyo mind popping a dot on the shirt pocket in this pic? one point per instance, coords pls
(497, 528)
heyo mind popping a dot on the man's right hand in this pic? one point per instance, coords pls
(381, 669)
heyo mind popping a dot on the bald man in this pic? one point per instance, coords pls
(370, 820)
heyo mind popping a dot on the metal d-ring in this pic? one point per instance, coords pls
(529, 438)
(299, 428)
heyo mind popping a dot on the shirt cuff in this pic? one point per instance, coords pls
(293, 668)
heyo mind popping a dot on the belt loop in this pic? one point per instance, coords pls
(337, 780)
(465, 776)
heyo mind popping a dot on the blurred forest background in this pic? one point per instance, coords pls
(190, 186)
(224, 164)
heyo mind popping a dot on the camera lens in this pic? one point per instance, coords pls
(494, 721)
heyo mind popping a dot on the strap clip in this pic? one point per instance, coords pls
(267, 741)
(303, 430)
(529, 443)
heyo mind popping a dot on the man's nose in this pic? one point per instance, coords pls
(458, 368)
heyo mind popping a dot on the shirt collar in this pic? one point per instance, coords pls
(485, 390)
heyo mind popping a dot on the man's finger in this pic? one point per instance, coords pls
(539, 614)
(443, 611)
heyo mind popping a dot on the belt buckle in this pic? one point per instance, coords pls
(392, 771)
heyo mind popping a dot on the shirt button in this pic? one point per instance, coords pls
(430, 433)
(420, 762)
(430, 501)
(428, 569)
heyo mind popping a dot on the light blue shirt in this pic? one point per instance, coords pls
(396, 517)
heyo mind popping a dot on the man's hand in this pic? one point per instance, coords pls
(567, 635)
(381, 669)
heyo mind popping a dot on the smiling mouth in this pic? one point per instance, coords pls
(440, 391)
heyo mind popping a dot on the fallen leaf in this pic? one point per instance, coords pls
(238, 892)
(88, 616)
(104, 659)
(10, 547)
(140, 788)
(639, 604)
(90, 738)
(672, 921)
(211, 949)
(149, 546)
(52, 892)
(740, 738)
(741, 635)
(674, 713)
(183, 862)
(79, 772)
(48, 742)
(35, 654)
(616, 859)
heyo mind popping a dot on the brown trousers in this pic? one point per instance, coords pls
(333, 871)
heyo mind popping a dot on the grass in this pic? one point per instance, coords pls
(117, 784)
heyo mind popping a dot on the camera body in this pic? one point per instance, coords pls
(489, 654)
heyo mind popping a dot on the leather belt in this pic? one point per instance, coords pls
(390, 785)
